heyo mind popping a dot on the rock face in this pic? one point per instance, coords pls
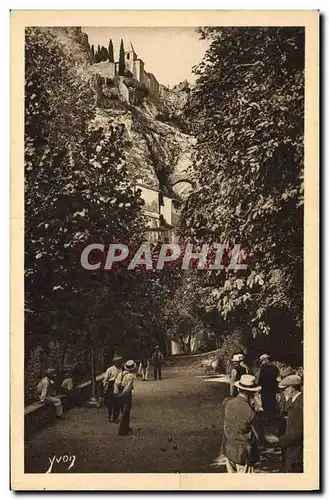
(172, 102)
(73, 42)
(157, 145)
(157, 149)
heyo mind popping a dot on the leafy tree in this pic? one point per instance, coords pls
(76, 190)
(98, 54)
(247, 109)
(110, 51)
(93, 50)
(103, 55)
(122, 66)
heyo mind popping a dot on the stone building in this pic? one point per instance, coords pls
(134, 68)
(159, 210)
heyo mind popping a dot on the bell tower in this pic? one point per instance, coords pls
(130, 58)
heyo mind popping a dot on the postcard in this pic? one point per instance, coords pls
(164, 250)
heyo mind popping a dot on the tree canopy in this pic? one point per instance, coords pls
(247, 112)
(111, 52)
(122, 59)
(77, 191)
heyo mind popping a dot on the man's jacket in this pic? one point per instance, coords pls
(292, 440)
(241, 431)
(157, 358)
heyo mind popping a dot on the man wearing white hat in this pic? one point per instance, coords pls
(268, 375)
(123, 387)
(108, 384)
(242, 429)
(239, 369)
(292, 440)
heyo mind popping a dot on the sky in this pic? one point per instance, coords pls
(168, 53)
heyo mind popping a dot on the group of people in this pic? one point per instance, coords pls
(48, 388)
(157, 360)
(118, 384)
(273, 397)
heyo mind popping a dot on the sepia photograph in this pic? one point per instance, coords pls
(164, 310)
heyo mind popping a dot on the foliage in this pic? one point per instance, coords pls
(247, 110)
(231, 344)
(101, 54)
(110, 51)
(184, 317)
(76, 191)
(122, 59)
(104, 54)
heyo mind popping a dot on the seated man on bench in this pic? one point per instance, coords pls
(47, 392)
(69, 388)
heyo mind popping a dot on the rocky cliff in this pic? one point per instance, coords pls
(157, 144)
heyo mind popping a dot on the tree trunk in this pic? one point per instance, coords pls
(189, 339)
(93, 397)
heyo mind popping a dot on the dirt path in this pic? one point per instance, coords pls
(177, 426)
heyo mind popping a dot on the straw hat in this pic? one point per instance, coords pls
(285, 373)
(291, 381)
(263, 357)
(130, 366)
(247, 383)
(237, 357)
(116, 358)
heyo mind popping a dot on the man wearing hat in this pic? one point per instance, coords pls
(46, 390)
(282, 402)
(69, 388)
(242, 429)
(239, 369)
(111, 373)
(123, 387)
(144, 368)
(157, 359)
(268, 375)
(292, 440)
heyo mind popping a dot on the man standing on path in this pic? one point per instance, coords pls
(282, 402)
(239, 369)
(108, 384)
(242, 429)
(124, 385)
(292, 440)
(268, 375)
(144, 368)
(47, 392)
(157, 359)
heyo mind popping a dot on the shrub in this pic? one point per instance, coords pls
(231, 343)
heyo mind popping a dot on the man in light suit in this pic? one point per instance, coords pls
(292, 440)
(113, 408)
